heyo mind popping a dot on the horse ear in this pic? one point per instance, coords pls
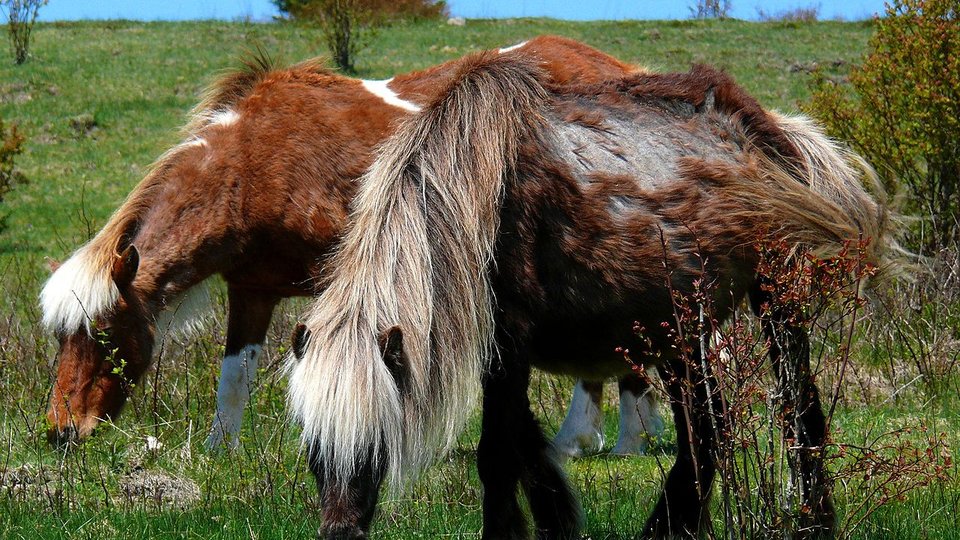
(391, 342)
(52, 264)
(391, 346)
(300, 337)
(125, 267)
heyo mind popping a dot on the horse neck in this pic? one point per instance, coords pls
(177, 255)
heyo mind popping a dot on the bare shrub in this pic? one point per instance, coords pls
(11, 145)
(797, 15)
(760, 493)
(710, 9)
(21, 15)
(913, 336)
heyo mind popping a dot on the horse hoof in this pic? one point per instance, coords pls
(629, 450)
(218, 442)
(578, 446)
(341, 533)
(61, 438)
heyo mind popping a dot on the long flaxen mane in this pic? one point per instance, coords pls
(415, 256)
(81, 289)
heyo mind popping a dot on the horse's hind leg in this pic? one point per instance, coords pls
(683, 507)
(248, 319)
(582, 433)
(640, 422)
(512, 449)
(804, 422)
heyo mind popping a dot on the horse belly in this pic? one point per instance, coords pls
(603, 347)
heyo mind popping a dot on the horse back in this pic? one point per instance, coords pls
(616, 200)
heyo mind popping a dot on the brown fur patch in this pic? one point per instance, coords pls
(233, 85)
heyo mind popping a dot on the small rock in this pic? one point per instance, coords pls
(153, 444)
(160, 488)
(457, 21)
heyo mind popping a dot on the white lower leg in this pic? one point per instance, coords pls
(237, 376)
(640, 422)
(581, 433)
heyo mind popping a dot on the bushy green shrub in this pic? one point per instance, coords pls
(901, 110)
(11, 144)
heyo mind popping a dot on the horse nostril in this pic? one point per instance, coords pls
(61, 437)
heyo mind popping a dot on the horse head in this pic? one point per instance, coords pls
(101, 355)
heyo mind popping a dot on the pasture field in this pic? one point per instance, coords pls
(100, 101)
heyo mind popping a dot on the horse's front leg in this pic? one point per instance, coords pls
(348, 505)
(248, 320)
(683, 507)
(513, 449)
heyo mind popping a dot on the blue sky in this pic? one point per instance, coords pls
(562, 9)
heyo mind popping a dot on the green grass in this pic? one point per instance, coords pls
(138, 80)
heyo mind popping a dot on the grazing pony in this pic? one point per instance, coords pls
(514, 224)
(257, 192)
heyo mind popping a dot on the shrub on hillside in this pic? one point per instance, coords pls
(21, 15)
(345, 23)
(384, 9)
(11, 144)
(796, 15)
(901, 110)
(710, 9)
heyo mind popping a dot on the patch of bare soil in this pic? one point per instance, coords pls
(28, 483)
(17, 93)
(159, 489)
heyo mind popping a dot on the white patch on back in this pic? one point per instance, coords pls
(237, 377)
(382, 90)
(505, 50)
(223, 117)
(581, 433)
(77, 293)
(193, 141)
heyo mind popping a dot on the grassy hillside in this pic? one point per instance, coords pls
(100, 101)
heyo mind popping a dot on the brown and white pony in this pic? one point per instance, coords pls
(257, 193)
(516, 224)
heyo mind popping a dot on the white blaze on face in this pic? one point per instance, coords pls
(382, 90)
(77, 293)
(640, 423)
(237, 377)
(581, 433)
(512, 47)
